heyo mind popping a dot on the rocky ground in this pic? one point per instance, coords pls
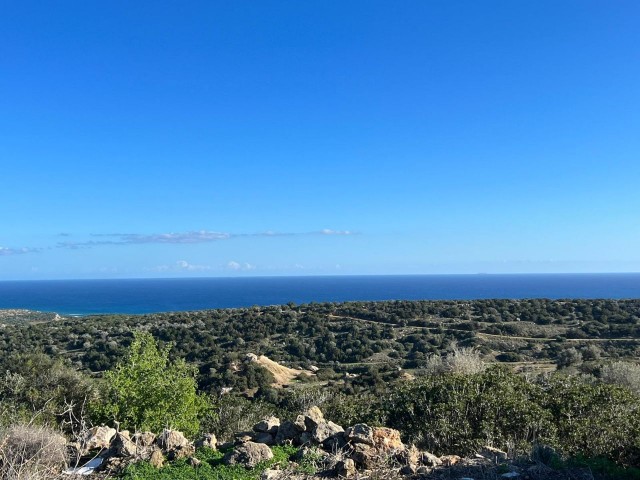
(359, 452)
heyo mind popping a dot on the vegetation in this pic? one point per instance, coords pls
(451, 376)
(146, 391)
(210, 468)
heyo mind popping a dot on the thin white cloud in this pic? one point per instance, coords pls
(181, 238)
(239, 267)
(180, 266)
(6, 251)
(184, 265)
(328, 231)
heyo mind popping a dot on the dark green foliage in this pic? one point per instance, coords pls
(334, 336)
(37, 388)
(461, 413)
(595, 420)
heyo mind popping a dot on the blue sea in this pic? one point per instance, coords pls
(86, 297)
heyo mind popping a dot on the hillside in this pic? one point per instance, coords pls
(354, 342)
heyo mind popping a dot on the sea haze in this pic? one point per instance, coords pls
(84, 297)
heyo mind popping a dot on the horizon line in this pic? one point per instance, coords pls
(236, 277)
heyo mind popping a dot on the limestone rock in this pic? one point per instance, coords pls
(156, 459)
(387, 439)
(123, 445)
(208, 440)
(270, 474)
(248, 454)
(326, 430)
(494, 454)
(360, 433)
(181, 452)
(305, 438)
(98, 438)
(194, 462)
(172, 439)
(300, 424)
(312, 417)
(144, 439)
(364, 455)
(346, 468)
(268, 425)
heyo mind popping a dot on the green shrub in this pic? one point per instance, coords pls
(595, 420)
(460, 413)
(148, 392)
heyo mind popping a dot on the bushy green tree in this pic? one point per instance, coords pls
(146, 391)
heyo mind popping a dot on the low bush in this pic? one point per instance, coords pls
(460, 413)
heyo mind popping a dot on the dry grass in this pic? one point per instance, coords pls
(31, 453)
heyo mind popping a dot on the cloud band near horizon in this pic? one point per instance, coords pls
(181, 238)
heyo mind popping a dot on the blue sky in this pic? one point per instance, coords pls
(160, 139)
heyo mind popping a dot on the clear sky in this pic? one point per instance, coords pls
(161, 139)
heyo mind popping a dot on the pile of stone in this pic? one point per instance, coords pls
(345, 450)
(118, 449)
(342, 451)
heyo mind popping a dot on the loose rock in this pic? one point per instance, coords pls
(156, 459)
(263, 437)
(268, 425)
(208, 440)
(248, 454)
(144, 439)
(326, 430)
(288, 431)
(429, 459)
(172, 439)
(123, 445)
(360, 433)
(312, 418)
(98, 438)
(494, 454)
(346, 468)
(387, 439)
(449, 460)
(270, 474)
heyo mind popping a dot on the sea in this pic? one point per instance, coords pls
(138, 296)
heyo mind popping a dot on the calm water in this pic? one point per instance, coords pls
(158, 295)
